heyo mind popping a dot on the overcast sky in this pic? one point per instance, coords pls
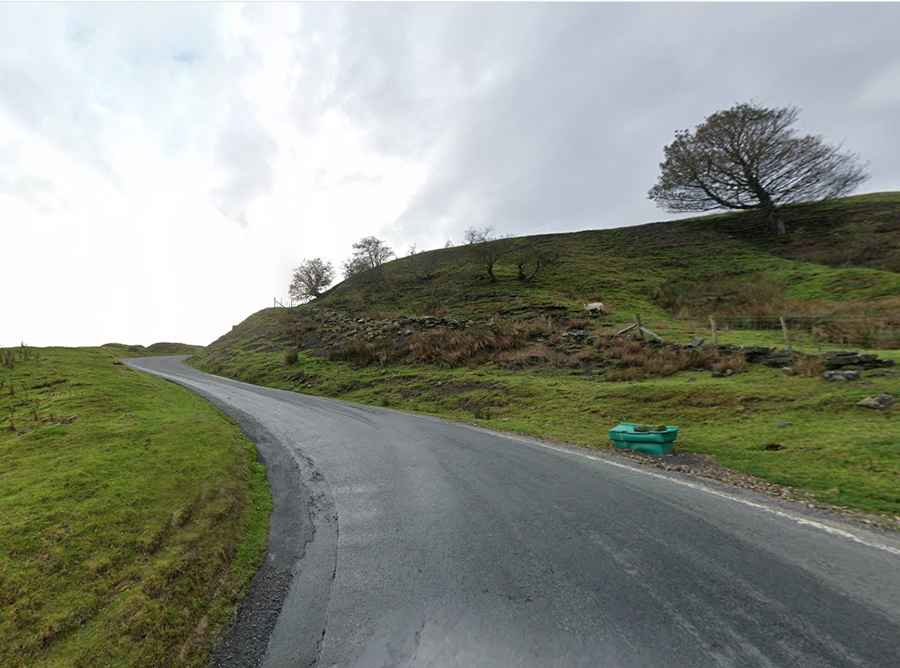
(162, 167)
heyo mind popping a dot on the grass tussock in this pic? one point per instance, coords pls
(633, 360)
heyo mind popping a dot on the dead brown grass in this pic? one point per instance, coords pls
(454, 347)
(808, 365)
(633, 360)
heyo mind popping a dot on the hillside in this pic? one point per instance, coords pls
(841, 251)
(433, 333)
(160, 348)
(841, 259)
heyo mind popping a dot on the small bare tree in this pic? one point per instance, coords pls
(355, 265)
(373, 250)
(311, 278)
(751, 157)
(530, 260)
(488, 254)
(368, 253)
(478, 235)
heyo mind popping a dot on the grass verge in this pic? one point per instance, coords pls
(134, 515)
(839, 453)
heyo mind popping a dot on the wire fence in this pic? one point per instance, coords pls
(870, 331)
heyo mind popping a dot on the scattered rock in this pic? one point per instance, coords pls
(788, 370)
(577, 334)
(781, 424)
(773, 446)
(880, 402)
(840, 359)
(832, 376)
(768, 356)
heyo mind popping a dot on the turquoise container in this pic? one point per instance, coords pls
(624, 436)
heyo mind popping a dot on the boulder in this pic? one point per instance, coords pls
(840, 359)
(832, 376)
(596, 308)
(769, 356)
(578, 335)
(772, 357)
(879, 402)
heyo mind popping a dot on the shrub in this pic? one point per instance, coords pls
(291, 357)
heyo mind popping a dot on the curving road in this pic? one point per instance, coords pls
(406, 540)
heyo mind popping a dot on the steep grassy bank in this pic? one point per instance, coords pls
(836, 253)
(133, 514)
(836, 276)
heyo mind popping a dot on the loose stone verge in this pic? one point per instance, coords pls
(703, 466)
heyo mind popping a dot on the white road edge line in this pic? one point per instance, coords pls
(834, 531)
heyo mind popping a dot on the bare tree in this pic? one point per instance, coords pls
(355, 265)
(412, 250)
(530, 260)
(311, 278)
(488, 253)
(478, 235)
(368, 253)
(751, 157)
(373, 250)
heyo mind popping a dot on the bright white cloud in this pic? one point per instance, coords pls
(162, 167)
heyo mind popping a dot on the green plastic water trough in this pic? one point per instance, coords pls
(656, 442)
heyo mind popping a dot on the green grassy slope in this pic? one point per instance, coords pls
(841, 257)
(133, 514)
(836, 251)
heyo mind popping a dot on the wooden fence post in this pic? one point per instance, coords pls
(784, 330)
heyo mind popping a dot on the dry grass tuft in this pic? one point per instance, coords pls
(633, 360)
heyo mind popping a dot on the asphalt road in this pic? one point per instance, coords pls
(406, 540)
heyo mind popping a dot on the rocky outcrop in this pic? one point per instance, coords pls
(843, 359)
(773, 357)
(834, 375)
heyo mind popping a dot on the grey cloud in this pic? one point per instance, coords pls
(539, 117)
